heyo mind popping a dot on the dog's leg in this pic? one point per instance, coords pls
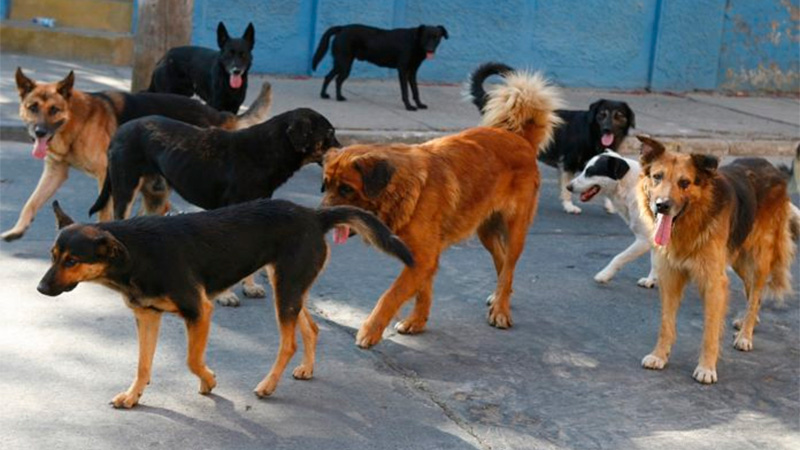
(155, 196)
(671, 283)
(197, 338)
(609, 206)
(227, 298)
(714, 291)
(404, 89)
(500, 308)
(326, 82)
(652, 279)
(494, 237)
(566, 196)
(252, 289)
(309, 330)
(412, 79)
(148, 322)
(754, 276)
(342, 72)
(638, 248)
(416, 321)
(53, 176)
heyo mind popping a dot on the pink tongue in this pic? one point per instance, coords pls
(429, 55)
(663, 229)
(236, 81)
(39, 148)
(607, 139)
(340, 234)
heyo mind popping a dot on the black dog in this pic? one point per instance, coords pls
(218, 77)
(212, 168)
(403, 49)
(583, 135)
(175, 264)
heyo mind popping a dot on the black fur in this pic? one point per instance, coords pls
(579, 139)
(402, 48)
(212, 168)
(208, 73)
(376, 178)
(608, 166)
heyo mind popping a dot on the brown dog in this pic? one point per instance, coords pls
(704, 220)
(440, 192)
(71, 128)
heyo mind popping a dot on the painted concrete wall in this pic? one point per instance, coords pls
(625, 44)
(4, 4)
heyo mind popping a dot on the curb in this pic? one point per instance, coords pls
(712, 146)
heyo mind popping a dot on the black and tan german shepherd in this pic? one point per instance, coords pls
(71, 128)
(176, 264)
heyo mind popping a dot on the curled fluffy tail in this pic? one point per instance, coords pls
(474, 87)
(368, 226)
(525, 104)
(322, 47)
(105, 195)
(258, 111)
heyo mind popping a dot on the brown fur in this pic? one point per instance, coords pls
(739, 215)
(435, 194)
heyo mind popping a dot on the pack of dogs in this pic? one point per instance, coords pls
(694, 218)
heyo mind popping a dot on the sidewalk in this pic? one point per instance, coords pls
(374, 112)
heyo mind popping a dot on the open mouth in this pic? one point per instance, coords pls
(607, 139)
(590, 193)
(340, 234)
(429, 55)
(664, 224)
(236, 80)
(40, 146)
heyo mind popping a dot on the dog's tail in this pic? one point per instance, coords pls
(322, 47)
(258, 111)
(368, 226)
(474, 87)
(525, 104)
(780, 277)
(105, 195)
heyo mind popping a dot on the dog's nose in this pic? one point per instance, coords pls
(662, 207)
(570, 188)
(236, 71)
(40, 131)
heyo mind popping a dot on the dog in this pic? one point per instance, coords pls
(583, 134)
(403, 49)
(617, 178)
(71, 128)
(704, 219)
(434, 194)
(212, 168)
(175, 264)
(218, 77)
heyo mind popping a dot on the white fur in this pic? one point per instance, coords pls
(622, 195)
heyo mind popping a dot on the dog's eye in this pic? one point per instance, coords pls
(658, 176)
(33, 107)
(602, 114)
(54, 110)
(70, 262)
(345, 190)
(683, 183)
(618, 115)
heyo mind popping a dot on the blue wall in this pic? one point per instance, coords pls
(4, 8)
(626, 44)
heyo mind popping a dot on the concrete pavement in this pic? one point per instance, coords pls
(700, 122)
(567, 375)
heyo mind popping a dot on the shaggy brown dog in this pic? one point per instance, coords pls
(704, 220)
(443, 191)
(71, 128)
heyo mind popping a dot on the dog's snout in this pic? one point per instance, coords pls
(40, 131)
(236, 71)
(570, 188)
(663, 206)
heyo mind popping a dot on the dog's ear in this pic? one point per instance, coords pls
(222, 35)
(62, 219)
(651, 149)
(617, 168)
(705, 164)
(112, 250)
(631, 116)
(298, 132)
(250, 35)
(375, 175)
(444, 31)
(64, 87)
(24, 84)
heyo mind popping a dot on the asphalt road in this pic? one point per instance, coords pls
(566, 375)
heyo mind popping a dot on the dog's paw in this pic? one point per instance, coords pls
(12, 234)
(570, 208)
(604, 276)
(125, 400)
(653, 362)
(368, 336)
(410, 108)
(410, 325)
(499, 318)
(609, 207)
(303, 372)
(228, 299)
(648, 283)
(325, 96)
(208, 383)
(422, 106)
(266, 387)
(705, 375)
(254, 291)
(737, 324)
(340, 98)
(742, 343)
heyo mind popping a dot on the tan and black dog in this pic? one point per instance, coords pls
(483, 180)
(707, 218)
(177, 264)
(71, 128)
